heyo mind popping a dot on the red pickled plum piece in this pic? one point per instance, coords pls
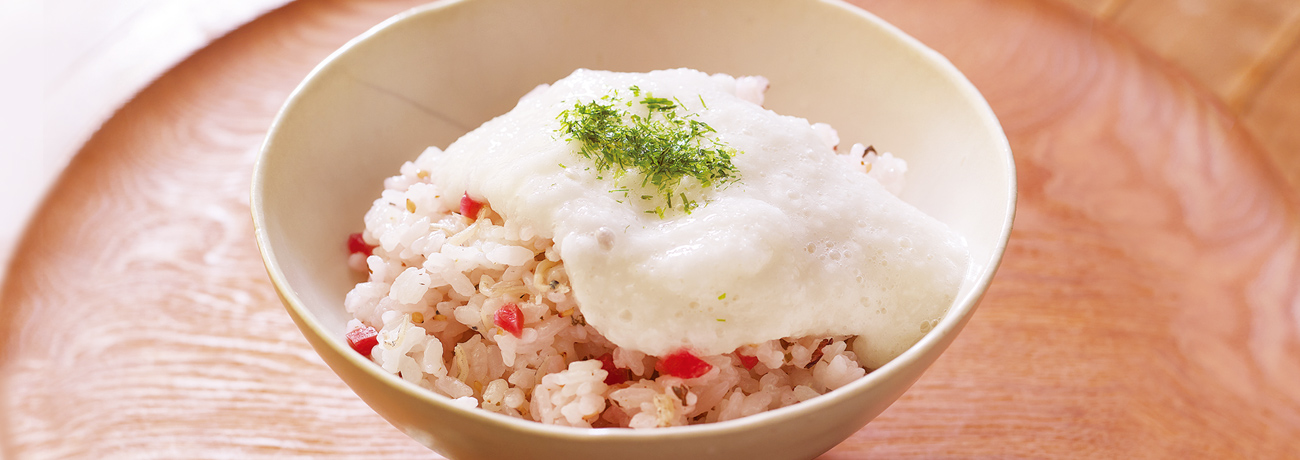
(683, 364)
(468, 207)
(363, 339)
(510, 319)
(748, 361)
(614, 375)
(356, 243)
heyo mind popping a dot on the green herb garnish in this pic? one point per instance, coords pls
(664, 146)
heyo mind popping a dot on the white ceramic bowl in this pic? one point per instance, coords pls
(433, 73)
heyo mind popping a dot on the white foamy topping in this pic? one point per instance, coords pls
(800, 246)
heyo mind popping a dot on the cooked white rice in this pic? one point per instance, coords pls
(437, 278)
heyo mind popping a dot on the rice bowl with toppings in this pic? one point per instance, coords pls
(430, 75)
(636, 250)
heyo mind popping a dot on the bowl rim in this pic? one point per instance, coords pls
(955, 317)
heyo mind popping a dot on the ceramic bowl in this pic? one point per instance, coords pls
(429, 75)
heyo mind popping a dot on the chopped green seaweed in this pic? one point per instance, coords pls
(664, 146)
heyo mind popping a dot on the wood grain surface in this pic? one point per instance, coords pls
(1247, 52)
(1147, 307)
(90, 59)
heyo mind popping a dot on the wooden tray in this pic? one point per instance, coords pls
(1148, 305)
